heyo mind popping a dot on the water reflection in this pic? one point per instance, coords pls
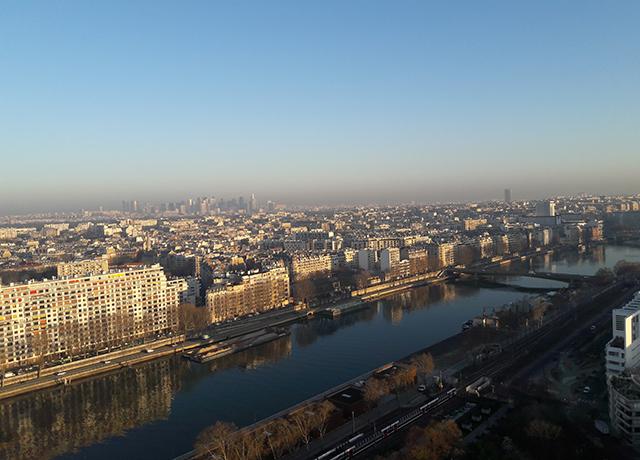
(309, 332)
(253, 358)
(47, 424)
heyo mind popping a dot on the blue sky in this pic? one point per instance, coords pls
(316, 101)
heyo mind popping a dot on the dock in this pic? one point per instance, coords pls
(227, 347)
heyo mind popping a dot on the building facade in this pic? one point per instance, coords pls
(624, 407)
(623, 350)
(305, 266)
(82, 267)
(44, 320)
(253, 294)
(622, 368)
(389, 259)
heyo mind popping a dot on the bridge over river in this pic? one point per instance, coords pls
(565, 277)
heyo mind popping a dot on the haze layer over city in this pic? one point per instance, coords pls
(336, 230)
(327, 103)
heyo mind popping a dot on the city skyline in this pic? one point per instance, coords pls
(192, 204)
(310, 104)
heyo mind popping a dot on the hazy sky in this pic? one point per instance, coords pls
(316, 101)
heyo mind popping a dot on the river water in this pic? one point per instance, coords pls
(155, 411)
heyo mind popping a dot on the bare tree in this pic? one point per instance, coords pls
(305, 289)
(193, 319)
(304, 420)
(3, 364)
(323, 411)
(375, 389)
(423, 363)
(39, 347)
(247, 445)
(438, 441)
(279, 437)
(403, 378)
(217, 441)
(362, 279)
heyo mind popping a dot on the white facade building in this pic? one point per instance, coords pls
(389, 259)
(367, 259)
(623, 350)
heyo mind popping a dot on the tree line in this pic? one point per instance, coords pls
(270, 440)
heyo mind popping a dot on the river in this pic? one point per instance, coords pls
(155, 411)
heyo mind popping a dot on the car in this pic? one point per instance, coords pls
(106, 361)
(204, 337)
(586, 389)
(9, 374)
(422, 388)
(61, 373)
(593, 327)
(149, 350)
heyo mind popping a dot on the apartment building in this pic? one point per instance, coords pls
(346, 258)
(82, 267)
(624, 406)
(441, 255)
(472, 224)
(45, 320)
(623, 350)
(622, 365)
(389, 259)
(485, 247)
(418, 259)
(501, 245)
(305, 266)
(368, 259)
(253, 294)
(517, 242)
(190, 290)
(8, 233)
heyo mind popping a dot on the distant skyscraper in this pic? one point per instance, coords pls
(271, 206)
(253, 203)
(507, 195)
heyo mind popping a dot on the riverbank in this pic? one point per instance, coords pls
(112, 362)
(65, 374)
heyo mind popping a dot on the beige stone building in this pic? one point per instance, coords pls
(83, 267)
(253, 294)
(305, 266)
